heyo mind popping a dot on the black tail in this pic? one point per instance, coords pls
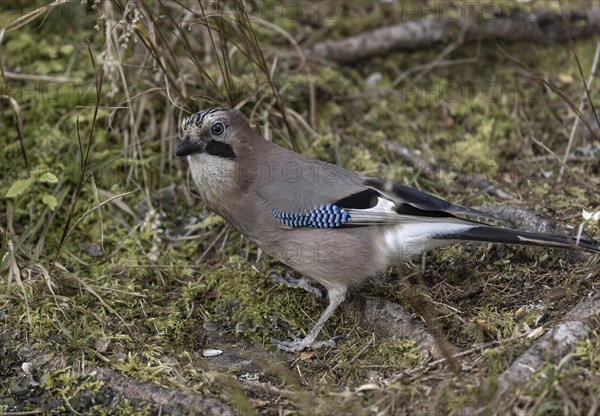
(510, 236)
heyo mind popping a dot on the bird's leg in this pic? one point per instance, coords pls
(297, 283)
(336, 297)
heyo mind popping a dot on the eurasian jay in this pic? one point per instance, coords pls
(330, 224)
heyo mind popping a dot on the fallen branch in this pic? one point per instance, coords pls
(409, 35)
(554, 345)
(137, 391)
(539, 27)
(390, 320)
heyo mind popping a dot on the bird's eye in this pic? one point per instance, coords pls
(217, 129)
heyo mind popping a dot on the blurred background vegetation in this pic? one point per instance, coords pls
(110, 260)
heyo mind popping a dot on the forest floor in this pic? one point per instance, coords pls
(116, 282)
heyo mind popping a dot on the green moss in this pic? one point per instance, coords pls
(587, 353)
(323, 148)
(74, 391)
(397, 352)
(498, 359)
(145, 365)
(491, 324)
(250, 305)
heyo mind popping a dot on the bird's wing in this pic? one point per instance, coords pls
(302, 192)
(293, 183)
(411, 201)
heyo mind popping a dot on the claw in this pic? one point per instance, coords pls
(291, 346)
(336, 296)
(298, 345)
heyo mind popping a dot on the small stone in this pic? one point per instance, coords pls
(211, 352)
(27, 369)
(210, 326)
(101, 344)
(7, 402)
(374, 78)
(93, 250)
(20, 388)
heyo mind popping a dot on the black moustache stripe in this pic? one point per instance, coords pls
(212, 147)
(220, 149)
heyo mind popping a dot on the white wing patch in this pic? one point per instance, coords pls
(407, 240)
(385, 213)
(382, 213)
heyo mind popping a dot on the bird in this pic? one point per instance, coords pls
(332, 225)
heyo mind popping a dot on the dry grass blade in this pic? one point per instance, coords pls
(97, 207)
(41, 78)
(32, 15)
(15, 273)
(50, 285)
(4, 249)
(119, 204)
(88, 288)
(115, 55)
(182, 36)
(84, 156)
(567, 100)
(223, 67)
(159, 54)
(539, 78)
(16, 109)
(586, 94)
(253, 45)
(579, 67)
(573, 175)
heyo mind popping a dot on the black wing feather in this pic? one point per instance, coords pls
(415, 202)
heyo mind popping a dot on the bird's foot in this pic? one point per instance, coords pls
(301, 344)
(297, 283)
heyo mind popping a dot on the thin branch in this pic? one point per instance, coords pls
(585, 97)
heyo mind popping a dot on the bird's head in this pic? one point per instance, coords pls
(211, 132)
(220, 147)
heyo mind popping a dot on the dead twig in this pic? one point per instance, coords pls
(16, 109)
(584, 99)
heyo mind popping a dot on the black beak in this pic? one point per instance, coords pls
(186, 148)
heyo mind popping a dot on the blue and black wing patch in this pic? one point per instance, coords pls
(326, 216)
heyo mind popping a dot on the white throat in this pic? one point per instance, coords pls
(214, 176)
